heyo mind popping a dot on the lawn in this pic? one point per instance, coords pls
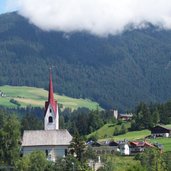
(122, 163)
(37, 96)
(133, 135)
(166, 142)
(106, 132)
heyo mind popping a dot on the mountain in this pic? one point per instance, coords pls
(116, 71)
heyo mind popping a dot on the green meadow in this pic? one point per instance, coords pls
(122, 163)
(166, 142)
(133, 135)
(36, 97)
(106, 133)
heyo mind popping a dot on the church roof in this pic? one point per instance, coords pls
(51, 99)
(46, 137)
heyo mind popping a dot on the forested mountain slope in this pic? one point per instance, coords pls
(116, 71)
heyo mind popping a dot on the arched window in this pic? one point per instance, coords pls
(50, 110)
(50, 119)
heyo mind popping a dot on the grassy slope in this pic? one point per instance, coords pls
(106, 132)
(165, 141)
(122, 163)
(133, 135)
(108, 129)
(37, 96)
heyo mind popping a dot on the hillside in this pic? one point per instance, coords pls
(116, 71)
(106, 133)
(25, 96)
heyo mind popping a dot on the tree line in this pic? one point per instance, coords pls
(147, 116)
(85, 121)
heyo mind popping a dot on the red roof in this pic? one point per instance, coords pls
(51, 100)
(141, 144)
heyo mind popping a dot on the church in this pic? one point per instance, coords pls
(52, 140)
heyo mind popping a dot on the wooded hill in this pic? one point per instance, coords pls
(116, 71)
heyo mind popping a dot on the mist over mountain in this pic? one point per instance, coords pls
(98, 17)
(116, 71)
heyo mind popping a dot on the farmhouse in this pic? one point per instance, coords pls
(161, 131)
(125, 116)
(105, 147)
(139, 146)
(52, 140)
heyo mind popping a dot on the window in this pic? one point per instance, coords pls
(50, 119)
(50, 110)
(46, 151)
(66, 152)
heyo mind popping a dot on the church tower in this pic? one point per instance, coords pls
(51, 118)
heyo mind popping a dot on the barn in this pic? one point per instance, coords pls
(161, 131)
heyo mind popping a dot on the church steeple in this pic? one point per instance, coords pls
(51, 119)
(50, 95)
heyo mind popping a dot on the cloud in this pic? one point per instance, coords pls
(99, 17)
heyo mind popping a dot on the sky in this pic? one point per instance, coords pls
(98, 17)
(8, 6)
(2, 6)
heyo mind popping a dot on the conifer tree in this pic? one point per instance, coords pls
(9, 141)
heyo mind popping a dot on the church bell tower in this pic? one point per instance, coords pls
(51, 118)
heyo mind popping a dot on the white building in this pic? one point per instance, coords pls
(52, 140)
(124, 149)
(115, 114)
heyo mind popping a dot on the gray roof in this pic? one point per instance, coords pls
(168, 127)
(126, 114)
(46, 137)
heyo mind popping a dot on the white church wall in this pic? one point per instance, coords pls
(52, 151)
(50, 113)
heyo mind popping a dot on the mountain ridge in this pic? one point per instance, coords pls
(116, 71)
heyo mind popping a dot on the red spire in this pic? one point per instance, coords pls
(50, 95)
